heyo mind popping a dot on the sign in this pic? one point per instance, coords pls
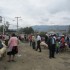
(0, 19)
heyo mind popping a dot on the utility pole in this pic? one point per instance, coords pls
(17, 22)
(4, 27)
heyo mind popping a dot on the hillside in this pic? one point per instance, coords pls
(47, 27)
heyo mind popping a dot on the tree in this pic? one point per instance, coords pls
(27, 30)
(6, 26)
(1, 28)
(69, 29)
(42, 34)
(20, 30)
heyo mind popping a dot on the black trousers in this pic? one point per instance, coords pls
(57, 50)
(38, 46)
(52, 51)
(30, 42)
(33, 45)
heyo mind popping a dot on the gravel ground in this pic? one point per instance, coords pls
(29, 59)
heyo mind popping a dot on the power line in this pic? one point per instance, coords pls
(12, 20)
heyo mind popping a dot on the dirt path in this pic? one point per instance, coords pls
(28, 59)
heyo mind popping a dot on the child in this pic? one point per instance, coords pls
(57, 46)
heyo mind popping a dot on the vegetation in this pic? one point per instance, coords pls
(69, 29)
(1, 28)
(27, 30)
(42, 34)
(6, 26)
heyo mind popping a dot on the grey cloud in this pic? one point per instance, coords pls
(59, 5)
(66, 18)
(36, 11)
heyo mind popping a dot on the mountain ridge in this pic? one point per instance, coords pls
(50, 27)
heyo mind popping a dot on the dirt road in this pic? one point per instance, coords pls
(28, 59)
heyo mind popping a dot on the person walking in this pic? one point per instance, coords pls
(12, 47)
(38, 43)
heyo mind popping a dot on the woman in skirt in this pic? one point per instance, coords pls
(12, 47)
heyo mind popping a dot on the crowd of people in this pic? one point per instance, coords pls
(55, 43)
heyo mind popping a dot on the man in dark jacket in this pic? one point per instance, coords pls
(51, 44)
(46, 38)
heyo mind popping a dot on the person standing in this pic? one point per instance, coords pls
(12, 47)
(38, 43)
(6, 39)
(62, 43)
(46, 38)
(1, 46)
(51, 44)
(30, 39)
(33, 42)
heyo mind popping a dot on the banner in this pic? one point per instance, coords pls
(0, 19)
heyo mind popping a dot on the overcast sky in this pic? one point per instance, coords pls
(36, 12)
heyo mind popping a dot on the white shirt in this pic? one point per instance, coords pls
(38, 38)
(53, 40)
